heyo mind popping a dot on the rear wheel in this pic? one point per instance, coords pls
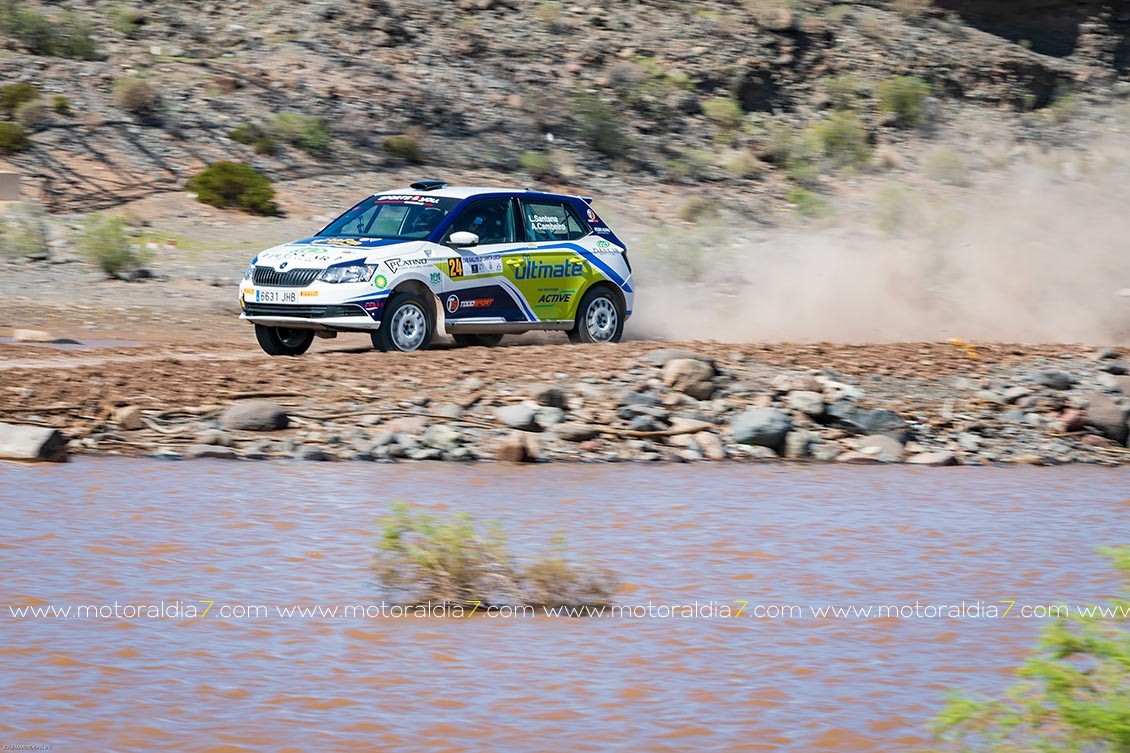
(469, 341)
(406, 326)
(600, 318)
(283, 341)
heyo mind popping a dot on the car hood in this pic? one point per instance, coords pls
(320, 253)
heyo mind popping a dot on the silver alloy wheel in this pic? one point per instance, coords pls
(601, 320)
(409, 327)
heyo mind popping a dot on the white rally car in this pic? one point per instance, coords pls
(476, 263)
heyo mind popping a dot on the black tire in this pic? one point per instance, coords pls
(600, 317)
(407, 324)
(471, 341)
(283, 341)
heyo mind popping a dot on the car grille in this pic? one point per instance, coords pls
(303, 312)
(292, 278)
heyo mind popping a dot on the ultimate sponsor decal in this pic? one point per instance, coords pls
(454, 303)
(536, 270)
(395, 264)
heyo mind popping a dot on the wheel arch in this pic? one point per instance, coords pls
(420, 288)
(611, 286)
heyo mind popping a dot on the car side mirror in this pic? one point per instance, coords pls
(463, 239)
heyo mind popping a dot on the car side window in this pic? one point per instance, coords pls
(491, 219)
(551, 221)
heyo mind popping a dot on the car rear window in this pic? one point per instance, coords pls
(551, 221)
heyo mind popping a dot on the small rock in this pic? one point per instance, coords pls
(1053, 379)
(690, 376)
(1012, 394)
(631, 397)
(549, 416)
(448, 410)
(661, 356)
(934, 459)
(762, 427)
(857, 458)
(516, 448)
(968, 442)
(31, 336)
(255, 415)
(549, 395)
(881, 447)
(797, 444)
(860, 421)
(807, 402)
(128, 418)
(210, 451)
(575, 432)
(442, 437)
(32, 443)
(1107, 354)
(711, 445)
(1118, 369)
(644, 423)
(310, 453)
(521, 417)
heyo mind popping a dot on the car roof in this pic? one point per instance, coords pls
(466, 192)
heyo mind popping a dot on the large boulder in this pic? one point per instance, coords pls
(255, 415)
(32, 443)
(521, 417)
(762, 427)
(857, 420)
(1107, 416)
(689, 376)
(807, 402)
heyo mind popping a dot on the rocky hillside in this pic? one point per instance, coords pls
(770, 95)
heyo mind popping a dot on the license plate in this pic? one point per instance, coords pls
(276, 296)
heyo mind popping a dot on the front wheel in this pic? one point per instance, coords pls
(406, 326)
(283, 341)
(485, 341)
(600, 318)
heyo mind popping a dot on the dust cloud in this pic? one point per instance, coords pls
(1037, 254)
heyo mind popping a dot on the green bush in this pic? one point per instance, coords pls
(14, 95)
(23, 233)
(33, 114)
(254, 136)
(61, 105)
(68, 36)
(135, 95)
(13, 138)
(947, 166)
(843, 139)
(537, 164)
(303, 131)
(433, 560)
(103, 240)
(904, 97)
(599, 125)
(236, 185)
(1073, 695)
(403, 146)
(697, 209)
(724, 111)
(807, 203)
(842, 91)
(128, 21)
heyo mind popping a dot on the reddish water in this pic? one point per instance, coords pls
(139, 532)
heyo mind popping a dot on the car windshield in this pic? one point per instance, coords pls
(403, 216)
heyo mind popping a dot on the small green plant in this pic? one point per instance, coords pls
(303, 131)
(947, 166)
(103, 240)
(843, 91)
(1073, 695)
(724, 111)
(1063, 108)
(254, 136)
(433, 560)
(23, 233)
(808, 203)
(61, 105)
(403, 146)
(135, 95)
(234, 185)
(698, 208)
(843, 139)
(128, 21)
(13, 138)
(599, 125)
(537, 164)
(14, 95)
(66, 36)
(33, 114)
(905, 98)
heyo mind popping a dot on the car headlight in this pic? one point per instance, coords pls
(250, 271)
(352, 273)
